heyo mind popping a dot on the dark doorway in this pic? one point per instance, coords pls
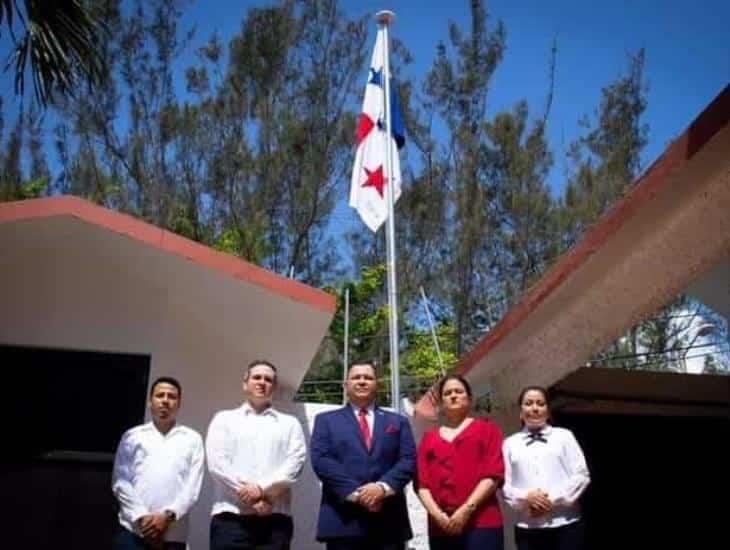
(656, 480)
(65, 412)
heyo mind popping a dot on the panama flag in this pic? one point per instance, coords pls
(368, 189)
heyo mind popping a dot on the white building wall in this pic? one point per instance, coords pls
(47, 301)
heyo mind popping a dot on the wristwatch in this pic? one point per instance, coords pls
(171, 516)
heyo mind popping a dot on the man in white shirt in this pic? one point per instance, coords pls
(255, 454)
(158, 471)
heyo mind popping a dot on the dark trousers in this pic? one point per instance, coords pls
(567, 537)
(484, 538)
(363, 543)
(126, 540)
(235, 532)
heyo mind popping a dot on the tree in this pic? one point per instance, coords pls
(607, 158)
(17, 183)
(295, 67)
(59, 39)
(420, 366)
(457, 87)
(368, 326)
(525, 239)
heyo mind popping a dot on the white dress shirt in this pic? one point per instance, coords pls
(155, 472)
(555, 465)
(244, 446)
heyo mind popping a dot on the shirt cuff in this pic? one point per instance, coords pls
(389, 492)
(136, 514)
(176, 508)
(276, 484)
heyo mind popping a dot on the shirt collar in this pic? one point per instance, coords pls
(247, 409)
(370, 408)
(150, 426)
(545, 431)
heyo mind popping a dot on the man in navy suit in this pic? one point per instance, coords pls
(364, 456)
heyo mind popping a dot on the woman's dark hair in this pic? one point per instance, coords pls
(542, 390)
(457, 377)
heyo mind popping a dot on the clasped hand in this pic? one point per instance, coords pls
(538, 502)
(153, 528)
(371, 496)
(455, 523)
(251, 495)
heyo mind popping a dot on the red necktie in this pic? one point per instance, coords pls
(364, 428)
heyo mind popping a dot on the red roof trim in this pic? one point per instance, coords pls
(712, 120)
(168, 242)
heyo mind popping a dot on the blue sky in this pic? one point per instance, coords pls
(687, 54)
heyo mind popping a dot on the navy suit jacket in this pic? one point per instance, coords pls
(343, 463)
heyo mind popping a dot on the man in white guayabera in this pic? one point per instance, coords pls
(158, 470)
(255, 454)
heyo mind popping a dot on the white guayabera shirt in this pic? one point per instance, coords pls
(244, 446)
(155, 472)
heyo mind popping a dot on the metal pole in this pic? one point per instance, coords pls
(433, 331)
(345, 352)
(385, 18)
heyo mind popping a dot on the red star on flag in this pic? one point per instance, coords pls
(375, 179)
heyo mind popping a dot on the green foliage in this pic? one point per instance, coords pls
(526, 230)
(246, 242)
(420, 366)
(33, 189)
(17, 182)
(368, 323)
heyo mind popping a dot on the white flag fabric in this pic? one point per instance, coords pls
(368, 188)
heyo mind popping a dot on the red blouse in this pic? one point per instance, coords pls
(451, 470)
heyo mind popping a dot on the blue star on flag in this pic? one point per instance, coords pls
(376, 77)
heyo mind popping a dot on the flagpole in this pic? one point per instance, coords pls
(385, 18)
(345, 353)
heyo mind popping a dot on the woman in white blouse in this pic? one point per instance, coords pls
(545, 474)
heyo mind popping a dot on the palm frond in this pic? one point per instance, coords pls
(60, 43)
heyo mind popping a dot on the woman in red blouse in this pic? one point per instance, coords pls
(459, 469)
